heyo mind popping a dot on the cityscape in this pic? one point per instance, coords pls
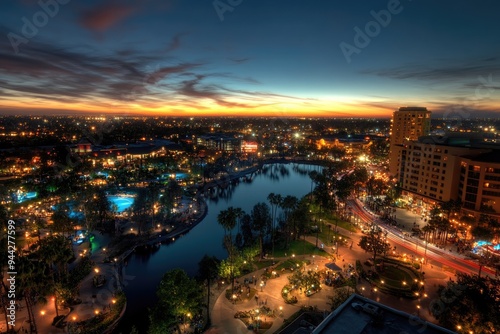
(231, 167)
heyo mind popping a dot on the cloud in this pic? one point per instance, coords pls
(161, 73)
(106, 15)
(467, 74)
(239, 60)
(176, 42)
(51, 74)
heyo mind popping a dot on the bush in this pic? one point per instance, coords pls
(359, 268)
(101, 322)
(81, 270)
(285, 293)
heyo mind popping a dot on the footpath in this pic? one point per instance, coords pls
(223, 310)
(94, 300)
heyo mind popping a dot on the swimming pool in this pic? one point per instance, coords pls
(122, 202)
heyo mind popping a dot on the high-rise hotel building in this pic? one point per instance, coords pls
(408, 123)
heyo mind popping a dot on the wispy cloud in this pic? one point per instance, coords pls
(65, 75)
(239, 60)
(105, 15)
(467, 73)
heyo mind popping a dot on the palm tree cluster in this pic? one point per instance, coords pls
(44, 272)
(332, 188)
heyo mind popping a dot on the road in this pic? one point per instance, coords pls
(430, 252)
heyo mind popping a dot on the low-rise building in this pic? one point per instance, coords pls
(358, 315)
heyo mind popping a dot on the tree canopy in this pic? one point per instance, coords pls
(179, 297)
(374, 243)
(471, 302)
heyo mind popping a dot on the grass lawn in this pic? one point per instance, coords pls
(263, 264)
(340, 223)
(330, 218)
(287, 264)
(326, 237)
(299, 247)
(394, 276)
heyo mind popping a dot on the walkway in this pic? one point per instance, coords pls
(223, 310)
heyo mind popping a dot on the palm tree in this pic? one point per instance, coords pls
(313, 175)
(31, 282)
(208, 269)
(239, 213)
(289, 204)
(55, 252)
(227, 219)
(275, 200)
(261, 222)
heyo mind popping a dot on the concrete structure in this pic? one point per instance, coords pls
(479, 183)
(353, 144)
(249, 146)
(430, 168)
(408, 123)
(457, 166)
(359, 315)
(83, 146)
(220, 142)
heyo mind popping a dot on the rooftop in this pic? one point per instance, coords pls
(347, 319)
(493, 157)
(473, 140)
(412, 109)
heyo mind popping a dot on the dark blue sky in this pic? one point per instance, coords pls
(239, 57)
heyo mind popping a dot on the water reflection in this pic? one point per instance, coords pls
(206, 237)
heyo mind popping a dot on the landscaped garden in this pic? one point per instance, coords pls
(259, 319)
(393, 276)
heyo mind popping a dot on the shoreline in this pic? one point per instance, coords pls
(203, 211)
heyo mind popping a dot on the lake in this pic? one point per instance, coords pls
(144, 271)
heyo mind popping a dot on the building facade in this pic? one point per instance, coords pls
(408, 123)
(437, 169)
(479, 184)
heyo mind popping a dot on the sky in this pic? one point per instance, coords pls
(277, 58)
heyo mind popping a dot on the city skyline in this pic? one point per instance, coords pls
(241, 58)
